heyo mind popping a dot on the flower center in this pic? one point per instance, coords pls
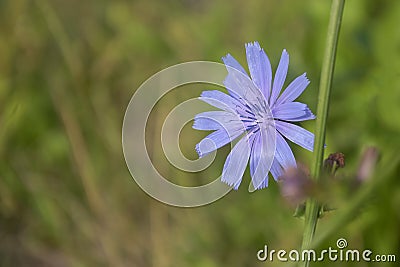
(263, 119)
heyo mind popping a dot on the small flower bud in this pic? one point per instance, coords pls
(334, 162)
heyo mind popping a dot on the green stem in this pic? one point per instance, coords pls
(312, 207)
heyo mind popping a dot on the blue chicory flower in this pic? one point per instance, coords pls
(255, 110)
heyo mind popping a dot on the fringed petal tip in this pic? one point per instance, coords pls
(234, 185)
(231, 62)
(197, 147)
(263, 185)
(253, 44)
(309, 114)
(312, 116)
(306, 78)
(195, 125)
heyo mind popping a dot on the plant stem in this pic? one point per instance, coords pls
(312, 207)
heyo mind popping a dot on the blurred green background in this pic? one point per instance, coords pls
(67, 72)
